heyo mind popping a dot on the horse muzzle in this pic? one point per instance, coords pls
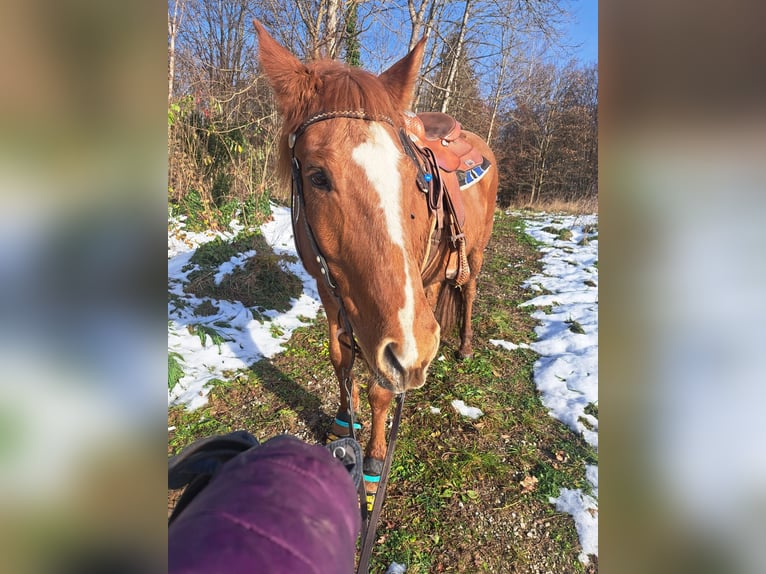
(396, 373)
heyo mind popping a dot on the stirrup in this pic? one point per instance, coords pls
(349, 453)
(196, 464)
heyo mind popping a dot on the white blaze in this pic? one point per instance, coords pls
(378, 157)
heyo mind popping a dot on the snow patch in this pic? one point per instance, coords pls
(584, 510)
(508, 345)
(465, 410)
(232, 265)
(244, 337)
(566, 374)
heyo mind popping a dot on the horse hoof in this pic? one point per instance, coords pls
(462, 356)
(370, 501)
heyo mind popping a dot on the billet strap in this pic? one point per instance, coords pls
(454, 199)
(377, 506)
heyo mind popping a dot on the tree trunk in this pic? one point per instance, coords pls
(332, 33)
(420, 23)
(498, 95)
(171, 58)
(173, 23)
(455, 59)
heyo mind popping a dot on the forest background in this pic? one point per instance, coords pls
(502, 68)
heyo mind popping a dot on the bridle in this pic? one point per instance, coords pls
(426, 182)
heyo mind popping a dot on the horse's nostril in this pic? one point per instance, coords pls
(392, 360)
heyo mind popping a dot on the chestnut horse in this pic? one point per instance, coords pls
(362, 226)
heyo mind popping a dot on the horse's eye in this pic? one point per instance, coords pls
(319, 180)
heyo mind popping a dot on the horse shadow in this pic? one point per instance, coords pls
(307, 405)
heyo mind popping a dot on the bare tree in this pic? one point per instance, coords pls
(421, 18)
(480, 65)
(454, 60)
(551, 138)
(175, 16)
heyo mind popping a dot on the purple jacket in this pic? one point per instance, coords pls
(282, 507)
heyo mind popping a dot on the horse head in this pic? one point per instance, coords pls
(358, 208)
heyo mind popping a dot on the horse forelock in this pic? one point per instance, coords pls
(332, 87)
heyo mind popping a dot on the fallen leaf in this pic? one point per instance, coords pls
(528, 484)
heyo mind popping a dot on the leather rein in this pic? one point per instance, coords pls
(428, 182)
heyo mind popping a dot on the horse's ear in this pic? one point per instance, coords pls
(285, 73)
(400, 78)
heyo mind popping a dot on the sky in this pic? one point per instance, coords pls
(583, 30)
(566, 373)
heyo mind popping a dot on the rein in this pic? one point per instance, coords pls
(298, 207)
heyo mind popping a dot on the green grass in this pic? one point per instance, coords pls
(575, 326)
(455, 501)
(202, 213)
(175, 372)
(189, 426)
(561, 233)
(219, 250)
(205, 332)
(261, 283)
(205, 309)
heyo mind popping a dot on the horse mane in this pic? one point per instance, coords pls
(332, 86)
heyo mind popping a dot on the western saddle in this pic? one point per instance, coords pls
(447, 164)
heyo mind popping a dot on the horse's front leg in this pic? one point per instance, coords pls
(340, 357)
(380, 400)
